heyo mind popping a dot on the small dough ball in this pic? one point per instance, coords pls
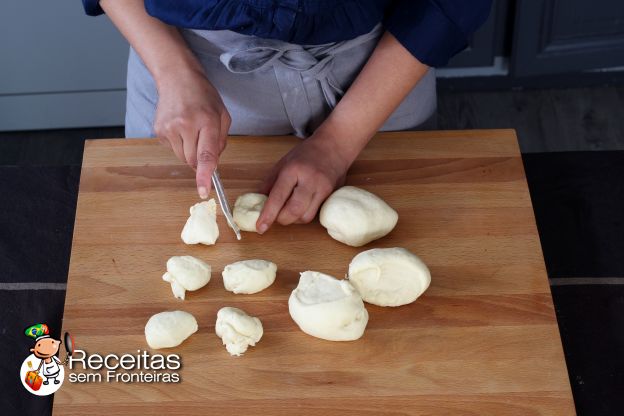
(327, 308)
(389, 276)
(247, 210)
(169, 329)
(186, 273)
(249, 276)
(237, 330)
(201, 227)
(356, 217)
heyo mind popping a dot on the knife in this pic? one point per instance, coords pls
(225, 207)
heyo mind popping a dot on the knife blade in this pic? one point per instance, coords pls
(223, 202)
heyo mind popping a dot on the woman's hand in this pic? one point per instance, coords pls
(303, 179)
(308, 173)
(190, 116)
(192, 120)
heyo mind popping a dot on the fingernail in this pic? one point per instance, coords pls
(203, 192)
(262, 228)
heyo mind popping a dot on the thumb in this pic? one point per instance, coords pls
(207, 158)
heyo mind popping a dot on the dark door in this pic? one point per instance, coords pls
(557, 36)
(480, 50)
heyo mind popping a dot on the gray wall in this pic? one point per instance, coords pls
(58, 67)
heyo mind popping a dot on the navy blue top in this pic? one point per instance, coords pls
(432, 30)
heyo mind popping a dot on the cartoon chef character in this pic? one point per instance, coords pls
(45, 349)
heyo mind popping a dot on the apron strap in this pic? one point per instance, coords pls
(292, 63)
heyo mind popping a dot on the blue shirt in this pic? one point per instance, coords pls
(432, 30)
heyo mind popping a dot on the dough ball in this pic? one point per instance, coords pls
(247, 210)
(327, 308)
(356, 217)
(201, 227)
(169, 329)
(237, 330)
(249, 276)
(186, 273)
(389, 276)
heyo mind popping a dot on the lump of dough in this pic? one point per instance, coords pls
(389, 276)
(355, 217)
(247, 210)
(186, 273)
(201, 227)
(237, 330)
(327, 308)
(249, 276)
(169, 329)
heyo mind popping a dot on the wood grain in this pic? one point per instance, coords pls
(483, 340)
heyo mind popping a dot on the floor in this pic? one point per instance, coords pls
(572, 142)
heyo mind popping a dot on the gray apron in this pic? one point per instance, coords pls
(272, 87)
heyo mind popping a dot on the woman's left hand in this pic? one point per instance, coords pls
(303, 179)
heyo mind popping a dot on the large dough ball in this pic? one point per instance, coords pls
(327, 308)
(389, 276)
(201, 227)
(169, 329)
(249, 276)
(356, 217)
(186, 273)
(247, 210)
(237, 330)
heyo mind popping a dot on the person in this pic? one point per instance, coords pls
(333, 72)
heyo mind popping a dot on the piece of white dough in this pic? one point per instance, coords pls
(237, 330)
(186, 273)
(201, 227)
(327, 308)
(389, 276)
(356, 217)
(169, 329)
(247, 209)
(249, 276)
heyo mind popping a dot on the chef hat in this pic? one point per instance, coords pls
(38, 331)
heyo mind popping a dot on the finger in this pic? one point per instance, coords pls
(226, 121)
(277, 197)
(164, 142)
(315, 203)
(269, 180)
(296, 206)
(175, 141)
(207, 158)
(189, 145)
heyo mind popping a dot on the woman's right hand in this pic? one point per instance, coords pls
(190, 115)
(192, 119)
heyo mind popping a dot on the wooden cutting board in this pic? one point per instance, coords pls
(482, 340)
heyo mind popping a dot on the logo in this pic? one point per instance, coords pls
(42, 373)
